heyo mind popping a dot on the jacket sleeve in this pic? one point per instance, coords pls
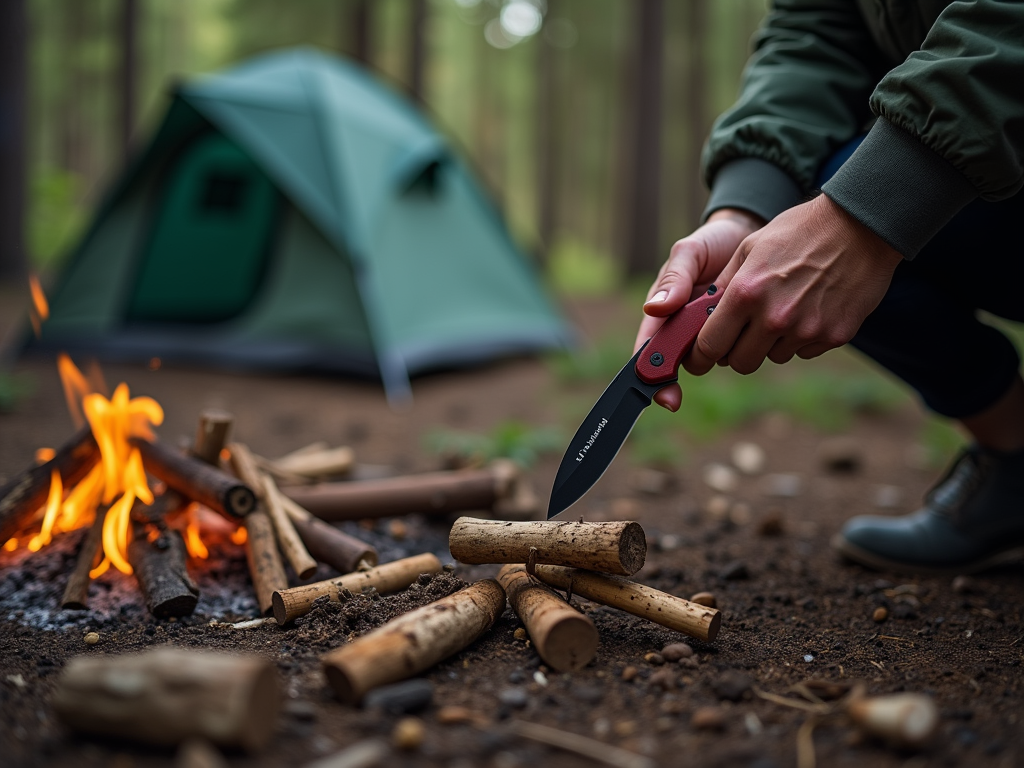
(804, 93)
(951, 128)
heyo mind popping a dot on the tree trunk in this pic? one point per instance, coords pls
(127, 74)
(13, 90)
(417, 47)
(546, 124)
(697, 108)
(361, 32)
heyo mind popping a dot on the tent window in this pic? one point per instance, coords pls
(223, 192)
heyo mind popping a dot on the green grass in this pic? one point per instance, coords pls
(513, 440)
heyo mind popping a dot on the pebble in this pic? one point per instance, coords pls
(654, 658)
(402, 698)
(540, 679)
(782, 485)
(520, 634)
(199, 753)
(771, 524)
(748, 458)
(452, 715)
(602, 728)
(732, 685)
(300, 710)
(676, 651)
(964, 585)
(841, 454)
(624, 728)
(881, 614)
(398, 530)
(735, 571)
(741, 514)
(689, 662)
(664, 679)
(721, 478)
(91, 638)
(514, 697)
(517, 676)
(717, 507)
(669, 542)
(653, 482)
(408, 734)
(888, 496)
(708, 719)
(629, 673)
(704, 598)
(753, 724)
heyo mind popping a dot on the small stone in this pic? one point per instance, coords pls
(732, 685)
(881, 614)
(401, 698)
(718, 507)
(841, 454)
(676, 651)
(408, 734)
(669, 542)
(452, 715)
(748, 458)
(654, 658)
(771, 524)
(689, 662)
(398, 530)
(91, 638)
(741, 514)
(664, 679)
(517, 676)
(735, 571)
(704, 598)
(624, 728)
(782, 485)
(520, 634)
(540, 679)
(964, 585)
(888, 496)
(516, 698)
(708, 719)
(304, 711)
(653, 482)
(753, 724)
(721, 478)
(602, 728)
(629, 673)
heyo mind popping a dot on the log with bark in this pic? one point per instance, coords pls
(414, 641)
(167, 695)
(22, 497)
(614, 547)
(564, 638)
(212, 435)
(289, 604)
(430, 493)
(160, 566)
(654, 605)
(76, 593)
(327, 544)
(197, 480)
(265, 566)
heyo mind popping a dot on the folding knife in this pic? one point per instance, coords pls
(610, 421)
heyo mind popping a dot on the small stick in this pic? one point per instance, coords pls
(27, 492)
(76, 593)
(660, 607)
(166, 695)
(197, 480)
(580, 745)
(264, 560)
(326, 543)
(564, 638)
(414, 641)
(211, 435)
(289, 604)
(616, 547)
(245, 467)
(430, 493)
(333, 461)
(160, 568)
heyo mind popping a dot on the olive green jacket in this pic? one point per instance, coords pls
(945, 81)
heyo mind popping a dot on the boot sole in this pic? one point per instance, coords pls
(864, 557)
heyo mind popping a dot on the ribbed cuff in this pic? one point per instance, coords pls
(899, 189)
(754, 185)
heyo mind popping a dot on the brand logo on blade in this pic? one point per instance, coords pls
(591, 440)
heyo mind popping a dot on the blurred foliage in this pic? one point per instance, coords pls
(13, 389)
(56, 216)
(941, 441)
(575, 269)
(513, 440)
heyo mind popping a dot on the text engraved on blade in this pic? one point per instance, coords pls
(592, 439)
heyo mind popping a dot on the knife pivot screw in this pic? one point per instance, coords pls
(711, 308)
(712, 290)
(657, 359)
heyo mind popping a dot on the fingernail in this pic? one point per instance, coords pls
(658, 297)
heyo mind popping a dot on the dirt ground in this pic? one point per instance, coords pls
(792, 611)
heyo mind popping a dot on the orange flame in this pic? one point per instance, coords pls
(240, 536)
(49, 518)
(193, 543)
(43, 455)
(40, 308)
(75, 388)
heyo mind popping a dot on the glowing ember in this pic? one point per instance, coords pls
(240, 536)
(43, 455)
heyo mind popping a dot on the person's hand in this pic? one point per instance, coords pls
(800, 286)
(693, 263)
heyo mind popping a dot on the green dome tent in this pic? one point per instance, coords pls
(293, 212)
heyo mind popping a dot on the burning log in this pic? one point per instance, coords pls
(264, 560)
(289, 604)
(160, 568)
(431, 493)
(326, 543)
(197, 480)
(266, 489)
(27, 492)
(76, 593)
(414, 641)
(616, 547)
(564, 637)
(211, 435)
(654, 605)
(167, 695)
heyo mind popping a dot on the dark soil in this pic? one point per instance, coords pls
(792, 610)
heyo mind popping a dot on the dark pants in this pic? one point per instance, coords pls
(926, 330)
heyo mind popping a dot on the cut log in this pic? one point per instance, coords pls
(431, 493)
(167, 695)
(654, 605)
(414, 641)
(160, 567)
(289, 604)
(615, 547)
(22, 497)
(326, 543)
(76, 593)
(197, 480)
(332, 461)
(265, 565)
(211, 435)
(564, 638)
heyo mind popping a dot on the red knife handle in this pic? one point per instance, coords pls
(667, 348)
